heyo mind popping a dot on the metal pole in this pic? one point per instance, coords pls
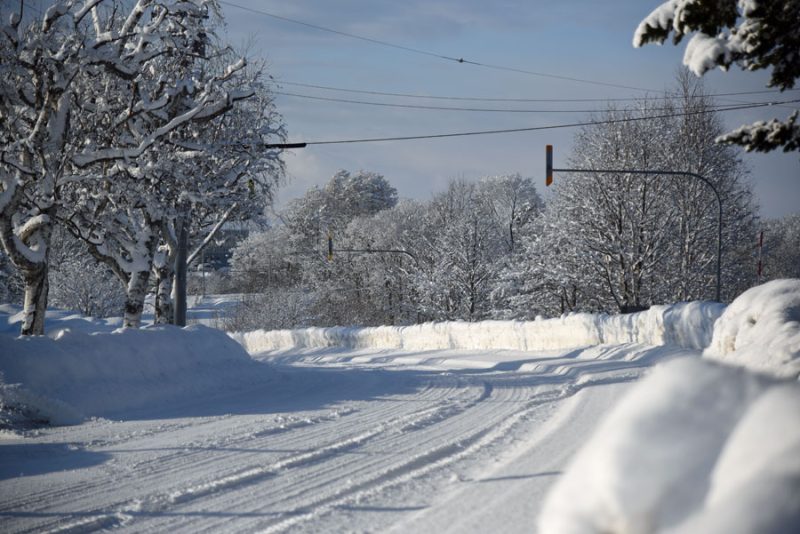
(180, 271)
(675, 173)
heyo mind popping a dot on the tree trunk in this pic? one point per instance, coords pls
(134, 300)
(165, 311)
(32, 265)
(36, 287)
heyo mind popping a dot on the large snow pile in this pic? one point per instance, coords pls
(761, 329)
(700, 445)
(76, 374)
(687, 325)
(695, 447)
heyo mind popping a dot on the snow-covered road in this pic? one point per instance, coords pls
(445, 441)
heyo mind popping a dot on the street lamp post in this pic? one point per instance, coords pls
(549, 180)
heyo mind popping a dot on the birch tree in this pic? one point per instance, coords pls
(76, 99)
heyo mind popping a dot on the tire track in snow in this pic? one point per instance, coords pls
(448, 418)
(442, 456)
(423, 452)
(434, 455)
(182, 460)
(115, 514)
(436, 458)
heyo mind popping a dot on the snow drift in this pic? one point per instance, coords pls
(687, 325)
(77, 374)
(761, 329)
(700, 445)
(694, 447)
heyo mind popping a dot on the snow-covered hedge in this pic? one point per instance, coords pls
(688, 325)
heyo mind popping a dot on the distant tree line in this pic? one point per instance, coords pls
(492, 249)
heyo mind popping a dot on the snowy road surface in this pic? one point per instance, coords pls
(440, 441)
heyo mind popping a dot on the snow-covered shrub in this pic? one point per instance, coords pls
(272, 310)
(79, 283)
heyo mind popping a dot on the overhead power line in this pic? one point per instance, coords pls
(449, 108)
(495, 99)
(429, 53)
(530, 129)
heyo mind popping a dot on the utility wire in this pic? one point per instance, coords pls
(534, 128)
(450, 108)
(432, 54)
(489, 99)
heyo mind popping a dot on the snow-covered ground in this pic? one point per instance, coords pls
(452, 428)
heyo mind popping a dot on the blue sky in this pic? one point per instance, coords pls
(569, 38)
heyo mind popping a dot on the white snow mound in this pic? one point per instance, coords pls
(696, 446)
(77, 374)
(761, 330)
(700, 445)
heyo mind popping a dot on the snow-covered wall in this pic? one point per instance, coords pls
(687, 325)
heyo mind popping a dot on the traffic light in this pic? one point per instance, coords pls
(548, 180)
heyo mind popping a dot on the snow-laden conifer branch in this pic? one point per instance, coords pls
(754, 34)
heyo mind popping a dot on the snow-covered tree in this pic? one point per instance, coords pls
(12, 285)
(264, 260)
(647, 238)
(393, 264)
(81, 92)
(781, 257)
(195, 178)
(512, 202)
(619, 222)
(460, 253)
(331, 208)
(231, 177)
(548, 274)
(373, 284)
(79, 282)
(692, 149)
(754, 34)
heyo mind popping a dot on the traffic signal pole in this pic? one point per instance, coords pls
(549, 181)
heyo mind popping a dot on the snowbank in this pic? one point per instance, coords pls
(77, 374)
(11, 321)
(687, 325)
(696, 446)
(761, 329)
(700, 445)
